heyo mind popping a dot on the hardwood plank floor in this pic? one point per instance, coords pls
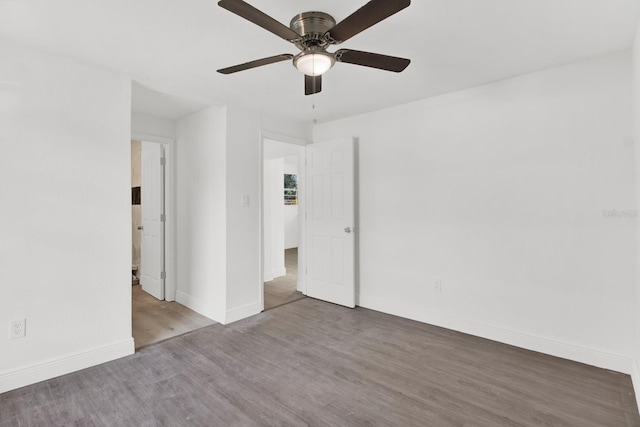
(314, 363)
(155, 320)
(284, 290)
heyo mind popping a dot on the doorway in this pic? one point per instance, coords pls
(148, 213)
(326, 222)
(155, 316)
(283, 177)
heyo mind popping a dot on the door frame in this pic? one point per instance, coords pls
(170, 237)
(301, 210)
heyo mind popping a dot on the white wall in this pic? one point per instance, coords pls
(201, 212)
(146, 125)
(291, 211)
(498, 192)
(219, 162)
(66, 215)
(273, 215)
(243, 222)
(244, 129)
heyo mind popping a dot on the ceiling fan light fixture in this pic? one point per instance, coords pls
(313, 63)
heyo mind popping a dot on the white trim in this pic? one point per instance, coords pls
(64, 365)
(615, 362)
(302, 228)
(635, 379)
(243, 312)
(151, 138)
(261, 276)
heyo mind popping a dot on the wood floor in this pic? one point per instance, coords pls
(284, 290)
(155, 320)
(314, 363)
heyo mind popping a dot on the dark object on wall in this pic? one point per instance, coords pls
(135, 195)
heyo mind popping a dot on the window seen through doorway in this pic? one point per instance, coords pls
(290, 189)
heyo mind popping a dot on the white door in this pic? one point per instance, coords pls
(330, 222)
(152, 207)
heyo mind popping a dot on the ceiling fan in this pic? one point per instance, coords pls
(314, 32)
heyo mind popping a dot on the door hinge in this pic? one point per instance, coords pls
(163, 275)
(163, 161)
(163, 218)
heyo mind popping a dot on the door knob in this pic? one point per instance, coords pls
(140, 227)
(347, 229)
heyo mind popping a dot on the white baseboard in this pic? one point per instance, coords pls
(243, 312)
(614, 362)
(230, 316)
(270, 275)
(187, 301)
(635, 378)
(42, 371)
(197, 306)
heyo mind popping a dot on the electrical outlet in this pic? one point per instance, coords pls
(437, 286)
(18, 329)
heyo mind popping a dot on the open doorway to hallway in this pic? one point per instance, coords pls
(282, 194)
(154, 317)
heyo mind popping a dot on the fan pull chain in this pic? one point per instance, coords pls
(313, 107)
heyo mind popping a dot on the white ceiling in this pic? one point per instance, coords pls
(175, 47)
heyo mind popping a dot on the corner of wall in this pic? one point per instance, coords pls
(242, 312)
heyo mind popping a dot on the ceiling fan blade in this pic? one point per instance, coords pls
(373, 60)
(312, 84)
(256, 63)
(259, 18)
(363, 18)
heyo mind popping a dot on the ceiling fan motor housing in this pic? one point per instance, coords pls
(312, 26)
